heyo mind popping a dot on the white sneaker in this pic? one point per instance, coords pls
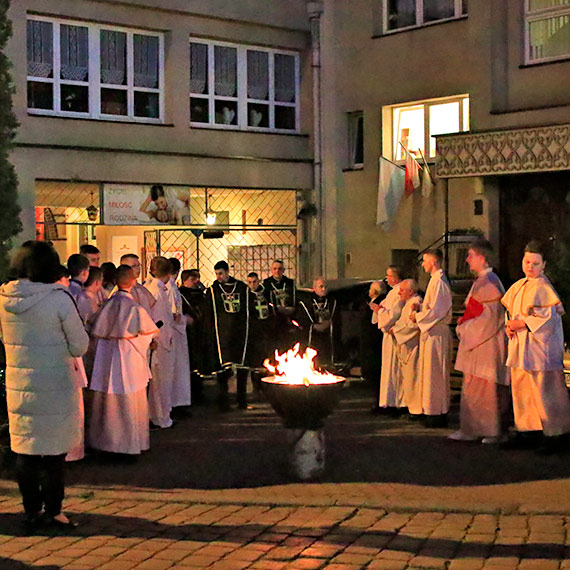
(460, 436)
(493, 440)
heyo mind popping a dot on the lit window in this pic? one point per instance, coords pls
(355, 140)
(547, 30)
(93, 71)
(414, 126)
(400, 14)
(243, 87)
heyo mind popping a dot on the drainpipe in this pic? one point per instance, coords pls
(315, 10)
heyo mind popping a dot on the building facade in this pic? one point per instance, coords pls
(398, 73)
(211, 100)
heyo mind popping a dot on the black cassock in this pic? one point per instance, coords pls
(226, 319)
(317, 311)
(283, 296)
(193, 299)
(262, 339)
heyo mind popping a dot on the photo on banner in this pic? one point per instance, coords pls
(137, 204)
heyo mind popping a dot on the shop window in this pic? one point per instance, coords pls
(355, 140)
(547, 30)
(414, 126)
(94, 71)
(240, 87)
(403, 14)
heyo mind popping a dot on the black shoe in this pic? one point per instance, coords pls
(415, 417)
(32, 523)
(439, 421)
(553, 444)
(524, 440)
(153, 427)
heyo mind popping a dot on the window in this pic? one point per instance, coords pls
(355, 139)
(238, 87)
(414, 126)
(94, 71)
(401, 14)
(547, 30)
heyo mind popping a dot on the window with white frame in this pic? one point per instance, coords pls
(402, 14)
(355, 139)
(414, 126)
(243, 87)
(94, 71)
(547, 30)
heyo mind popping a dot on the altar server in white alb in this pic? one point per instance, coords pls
(124, 331)
(388, 312)
(181, 379)
(406, 333)
(482, 352)
(140, 294)
(535, 353)
(435, 341)
(162, 363)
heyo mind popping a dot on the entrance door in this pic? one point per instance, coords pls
(532, 207)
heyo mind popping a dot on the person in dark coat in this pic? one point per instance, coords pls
(226, 318)
(261, 342)
(281, 292)
(193, 298)
(317, 317)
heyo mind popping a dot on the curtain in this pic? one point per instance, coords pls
(74, 49)
(401, 13)
(257, 74)
(113, 57)
(146, 61)
(284, 78)
(40, 48)
(198, 68)
(225, 66)
(438, 9)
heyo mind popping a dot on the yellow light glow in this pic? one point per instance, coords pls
(210, 218)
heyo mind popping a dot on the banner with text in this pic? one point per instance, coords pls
(136, 204)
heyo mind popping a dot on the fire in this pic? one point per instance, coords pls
(293, 368)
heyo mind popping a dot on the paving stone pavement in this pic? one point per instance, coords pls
(118, 534)
(212, 493)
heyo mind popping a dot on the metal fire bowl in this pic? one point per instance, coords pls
(300, 406)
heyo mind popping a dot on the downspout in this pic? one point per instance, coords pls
(315, 10)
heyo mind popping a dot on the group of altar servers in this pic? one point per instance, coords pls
(510, 352)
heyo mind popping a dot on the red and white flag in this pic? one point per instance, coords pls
(412, 180)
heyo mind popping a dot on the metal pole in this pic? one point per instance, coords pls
(445, 183)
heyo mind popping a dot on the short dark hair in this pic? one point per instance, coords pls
(397, 270)
(124, 273)
(128, 256)
(61, 272)
(37, 261)
(76, 263)
(87, 248)
(222, 265)
(482, 247)
(253, 274)
(160, 266)
(534, 246)
(436, 253)
(156, 191)
(187, 273)
(109, 273)
(176, 265)
(95, 274)
(278, 261)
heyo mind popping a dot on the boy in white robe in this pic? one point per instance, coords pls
(140, 294)
(535, 355)
(435, 342)
(406, 334)
(388, 312)
(124, 332)
(78, 267)
(181, 380)
(482, 352)
(162, 365)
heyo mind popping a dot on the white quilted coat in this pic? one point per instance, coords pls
(42, 332)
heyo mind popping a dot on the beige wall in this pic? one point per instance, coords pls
(481, 55)
(173, 153)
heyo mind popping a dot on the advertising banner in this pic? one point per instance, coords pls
(136, 204)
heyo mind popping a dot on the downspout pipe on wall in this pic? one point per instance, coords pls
(315, 10)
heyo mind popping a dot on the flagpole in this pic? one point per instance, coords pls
(410, 154)
(392, 162)
(425, 163)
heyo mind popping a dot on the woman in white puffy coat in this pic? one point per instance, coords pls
(42, 333)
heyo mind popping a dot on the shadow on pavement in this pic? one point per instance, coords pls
(248, 449)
